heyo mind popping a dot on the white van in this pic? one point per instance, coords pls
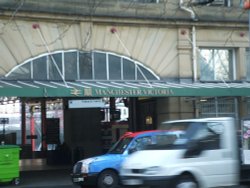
(206, 155)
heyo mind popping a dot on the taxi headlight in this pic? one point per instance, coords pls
(85, 165)
(85, 168)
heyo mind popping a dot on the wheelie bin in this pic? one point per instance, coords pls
(9, 164)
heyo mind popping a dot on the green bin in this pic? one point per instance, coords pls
(9, 164)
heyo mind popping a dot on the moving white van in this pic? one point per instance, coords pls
(206, 155)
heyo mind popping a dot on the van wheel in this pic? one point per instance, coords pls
(108, 179)
(186, 181)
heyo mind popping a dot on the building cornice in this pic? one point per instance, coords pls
(116, 20)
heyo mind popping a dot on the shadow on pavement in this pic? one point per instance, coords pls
(45, 178)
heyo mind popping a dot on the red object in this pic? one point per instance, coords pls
(32, 132)
(113, 30)
(183, 32)
(247, 4)
(242, 34)
(134, 134)
(35, 26)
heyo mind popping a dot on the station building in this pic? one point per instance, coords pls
(162, 59)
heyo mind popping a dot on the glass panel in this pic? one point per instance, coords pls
(128, 70)
(118, 68)
(216, 64)
(53, 72)
(55, 110)
(70, 63)
(100, 66)
(40, 68)
(248, 63)
(147, 74)
(218, 107)
(85, 66)
(22, 72)
(33, 126)
(13, 128)
(114, 67)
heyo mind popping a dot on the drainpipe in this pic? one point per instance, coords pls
(193, 16)
(194, 53)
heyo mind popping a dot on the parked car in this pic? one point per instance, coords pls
(103, 171)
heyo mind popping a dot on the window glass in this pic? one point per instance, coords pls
(218, 107)
(141, 143)
(22, 72)
(70, 63)
(100, 66)
(216, 64)
(207, 138)
(205, 135)
(120, 146)
(40, 68)
(114, 67)
(72, 67)
(128, 70)
(248, 63)
(53, 71)
(85, 66)
(143, 73)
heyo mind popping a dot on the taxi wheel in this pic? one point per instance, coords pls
(108, 179)
(186, 181)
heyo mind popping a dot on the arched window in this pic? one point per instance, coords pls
(80, 65)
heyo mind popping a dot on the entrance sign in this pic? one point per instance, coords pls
(131, 92)
(92, 92)
(91, 103)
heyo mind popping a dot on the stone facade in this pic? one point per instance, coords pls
(162, 36)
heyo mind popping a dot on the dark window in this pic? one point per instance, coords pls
(21, 73)
(143, 74)
(55, 60)
(100, 66)
(40, 68)
(114, 67)
(120, 146)
(70, 63)
(248, 63)
(75, 65)
(128, 70)
(85, 66)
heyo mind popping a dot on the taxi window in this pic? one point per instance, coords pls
(140, 143)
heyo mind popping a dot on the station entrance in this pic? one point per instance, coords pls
(64, 130)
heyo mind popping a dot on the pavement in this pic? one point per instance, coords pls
(56, 178)
(49, 178)
(43, 178)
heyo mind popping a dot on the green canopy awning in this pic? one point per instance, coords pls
(120, 89)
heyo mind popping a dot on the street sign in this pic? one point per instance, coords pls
(4, 120)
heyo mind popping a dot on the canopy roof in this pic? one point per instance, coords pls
(119, 89)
